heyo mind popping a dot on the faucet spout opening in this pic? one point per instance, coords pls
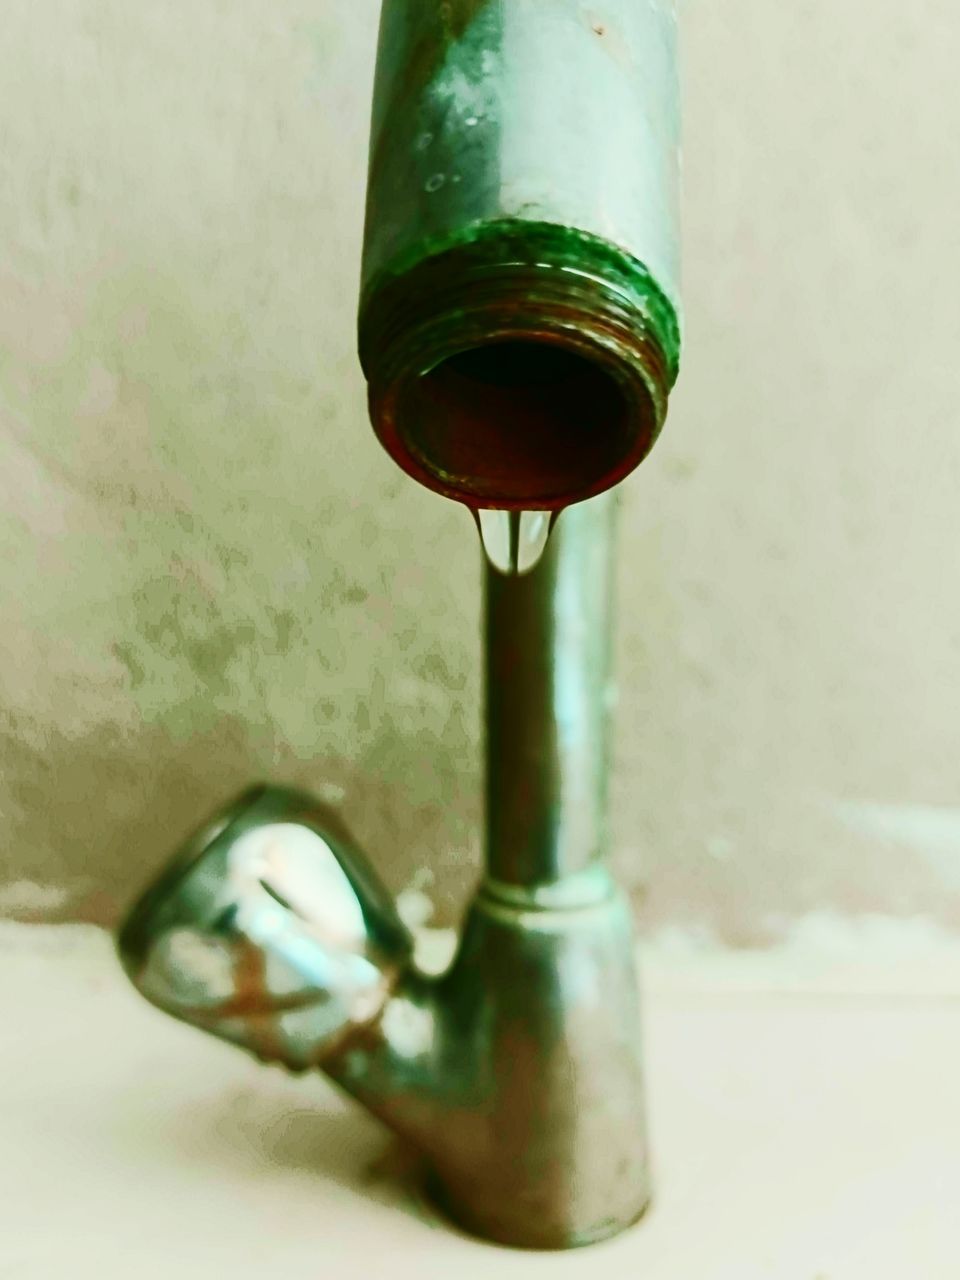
(537, 419)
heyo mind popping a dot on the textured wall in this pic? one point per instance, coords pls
(210, 573)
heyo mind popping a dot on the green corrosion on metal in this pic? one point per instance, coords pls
(504, 243)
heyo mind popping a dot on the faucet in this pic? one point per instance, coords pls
(519, 335)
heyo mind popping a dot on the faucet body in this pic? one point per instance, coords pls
(518, 1073)
(519, 331)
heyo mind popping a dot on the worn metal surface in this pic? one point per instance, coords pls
(519, 1074)
(545, 111)
(548, 700)
(268, 929)
(519, 317)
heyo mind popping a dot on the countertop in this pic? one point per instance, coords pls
(804, 1107)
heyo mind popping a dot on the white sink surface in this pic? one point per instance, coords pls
(805, 1129)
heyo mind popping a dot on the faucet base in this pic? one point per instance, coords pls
(518, 1073)
(458, 1217)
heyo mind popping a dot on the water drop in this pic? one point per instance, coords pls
(514, 541)
(471, 121)
(435, 183)
(424, 141)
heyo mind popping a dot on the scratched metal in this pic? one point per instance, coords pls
(519, 321)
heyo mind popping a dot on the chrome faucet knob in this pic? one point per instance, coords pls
(269, 929)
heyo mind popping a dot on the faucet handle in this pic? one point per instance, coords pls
(269, 929)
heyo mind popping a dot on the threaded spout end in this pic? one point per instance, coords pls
(526, 366)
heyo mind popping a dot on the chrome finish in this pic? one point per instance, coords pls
(548, 695)
(519, 320)
(269, 930)
(518, 1073)
(550, 111)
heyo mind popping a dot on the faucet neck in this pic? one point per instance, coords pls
(548, 696)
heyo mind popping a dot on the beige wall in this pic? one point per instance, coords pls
(210, 572)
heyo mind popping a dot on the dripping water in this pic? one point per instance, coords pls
(514, 542)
